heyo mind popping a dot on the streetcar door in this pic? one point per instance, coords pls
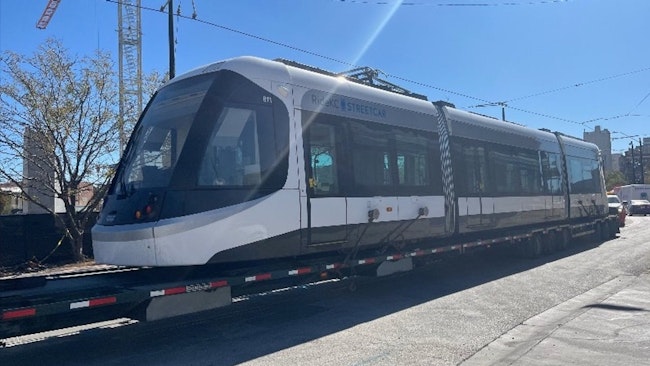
(326, 206)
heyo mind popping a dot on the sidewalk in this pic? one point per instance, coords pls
(608, 325)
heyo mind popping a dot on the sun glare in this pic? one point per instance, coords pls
(387, 17)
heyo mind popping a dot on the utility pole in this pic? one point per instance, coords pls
(641, 161)
(633, 163)
(172, 60)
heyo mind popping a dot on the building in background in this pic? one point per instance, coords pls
(602, 139)
(39, 175)
(616, 162)
(40, 180)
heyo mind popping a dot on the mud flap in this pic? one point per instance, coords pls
(182, 304)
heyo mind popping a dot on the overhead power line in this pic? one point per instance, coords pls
(504, 104)
(638, 104)
(302, 50)
(250, 35)
(468, 4)
(548, 116)
(437, 88)
(485, 101)
(576, 85)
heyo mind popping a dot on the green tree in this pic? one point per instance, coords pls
(614, 179)
(59, 117)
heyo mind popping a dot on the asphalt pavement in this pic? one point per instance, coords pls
(608, 325)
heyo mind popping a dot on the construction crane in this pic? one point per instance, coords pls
(48, 13)
(129, 32)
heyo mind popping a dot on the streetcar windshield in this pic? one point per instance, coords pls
(160, 137)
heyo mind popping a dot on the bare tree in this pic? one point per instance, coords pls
(58, 131)
(150, 84)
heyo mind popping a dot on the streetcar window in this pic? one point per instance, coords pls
(412, 159)
(382, 160)
(475, 165)
(584, 175)
(517, 171)
(323, 159)
(371, 157)
(232, 157)
(529, 172)
(551, 176)
(503, 165)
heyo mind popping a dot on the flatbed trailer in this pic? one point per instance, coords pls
(47, 303)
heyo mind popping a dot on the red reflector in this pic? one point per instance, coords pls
(175, 290)
(14, 314)
(265, 276)
(102, 301)
(218, 284)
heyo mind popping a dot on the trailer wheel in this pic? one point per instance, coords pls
(598, 233)
(564, 239)
(604, 231)
(533, 247)
(549, 243)
(613, 228)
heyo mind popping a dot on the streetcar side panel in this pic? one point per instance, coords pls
(372, 165)
(505, 175)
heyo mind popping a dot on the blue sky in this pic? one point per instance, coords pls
(583, 60)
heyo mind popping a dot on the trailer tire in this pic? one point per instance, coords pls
(596, 235)
(564, 239)
(599, 233)
(533, 246)
(550, 245)
(613, 228)
(604, 231)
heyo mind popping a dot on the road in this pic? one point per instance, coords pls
(441, 315)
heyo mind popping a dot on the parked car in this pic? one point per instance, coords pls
(638, 207)
(616, 208)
